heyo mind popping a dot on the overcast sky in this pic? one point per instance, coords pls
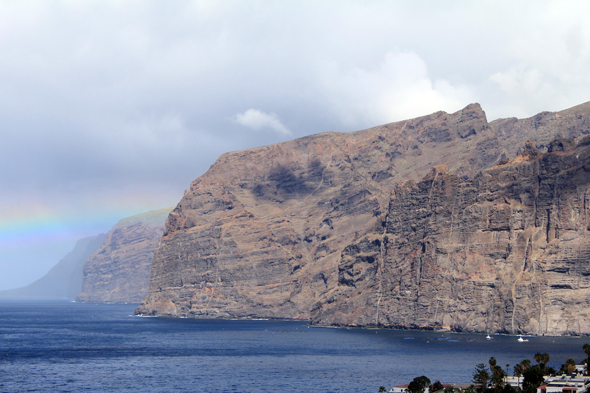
(112, 108)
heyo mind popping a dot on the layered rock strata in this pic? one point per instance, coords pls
(508, 251)
(262, 233)
(119, 271)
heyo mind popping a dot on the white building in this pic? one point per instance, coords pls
(402, 389)
(564, 384)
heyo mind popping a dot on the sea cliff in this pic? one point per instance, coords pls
(507, 252)
(119, 270)
(269, 232)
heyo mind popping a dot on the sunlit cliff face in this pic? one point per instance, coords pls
(338, 228)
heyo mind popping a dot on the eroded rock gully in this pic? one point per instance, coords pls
(508, 251)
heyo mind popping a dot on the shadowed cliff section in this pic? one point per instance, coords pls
(505, 252)
(118, 272)
(262, 233)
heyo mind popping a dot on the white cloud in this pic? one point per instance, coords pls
(259, 120)
(400, 88)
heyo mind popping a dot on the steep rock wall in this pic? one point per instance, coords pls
(508, 251)
(119, 271)
(261, 234)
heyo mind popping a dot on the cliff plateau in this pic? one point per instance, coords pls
(266, 231)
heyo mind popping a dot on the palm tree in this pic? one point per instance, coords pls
(518, 370)
(526, 364)
(507, 368)
(382, 389)
(544, 361)
(538, 356)
(492, 363)
(586, 349)
(498, 377)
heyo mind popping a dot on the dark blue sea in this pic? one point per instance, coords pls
(72, 347)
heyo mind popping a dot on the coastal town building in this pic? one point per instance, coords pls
(457, 387)
(565, 384)
(574, 383)
(402, 389)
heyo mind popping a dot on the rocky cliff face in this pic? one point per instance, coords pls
(64, 280)
(119, 271)
(264, 231)
(505, 252)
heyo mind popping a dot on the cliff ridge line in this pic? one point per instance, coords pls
(262, 233)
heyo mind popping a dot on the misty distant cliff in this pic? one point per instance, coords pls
(64, 280)
(119, 271)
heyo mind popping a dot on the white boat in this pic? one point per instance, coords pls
(488, 337)
(522, 340)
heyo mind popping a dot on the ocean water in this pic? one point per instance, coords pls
(71, 347)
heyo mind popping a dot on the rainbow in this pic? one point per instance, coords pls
(38, 226)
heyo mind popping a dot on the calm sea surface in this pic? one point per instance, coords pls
(70, 347)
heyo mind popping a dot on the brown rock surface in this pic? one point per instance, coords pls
(262, 233)
(505, 252)
(119, 271)
(543, 128)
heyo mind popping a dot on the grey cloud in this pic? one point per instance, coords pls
(104, 98)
